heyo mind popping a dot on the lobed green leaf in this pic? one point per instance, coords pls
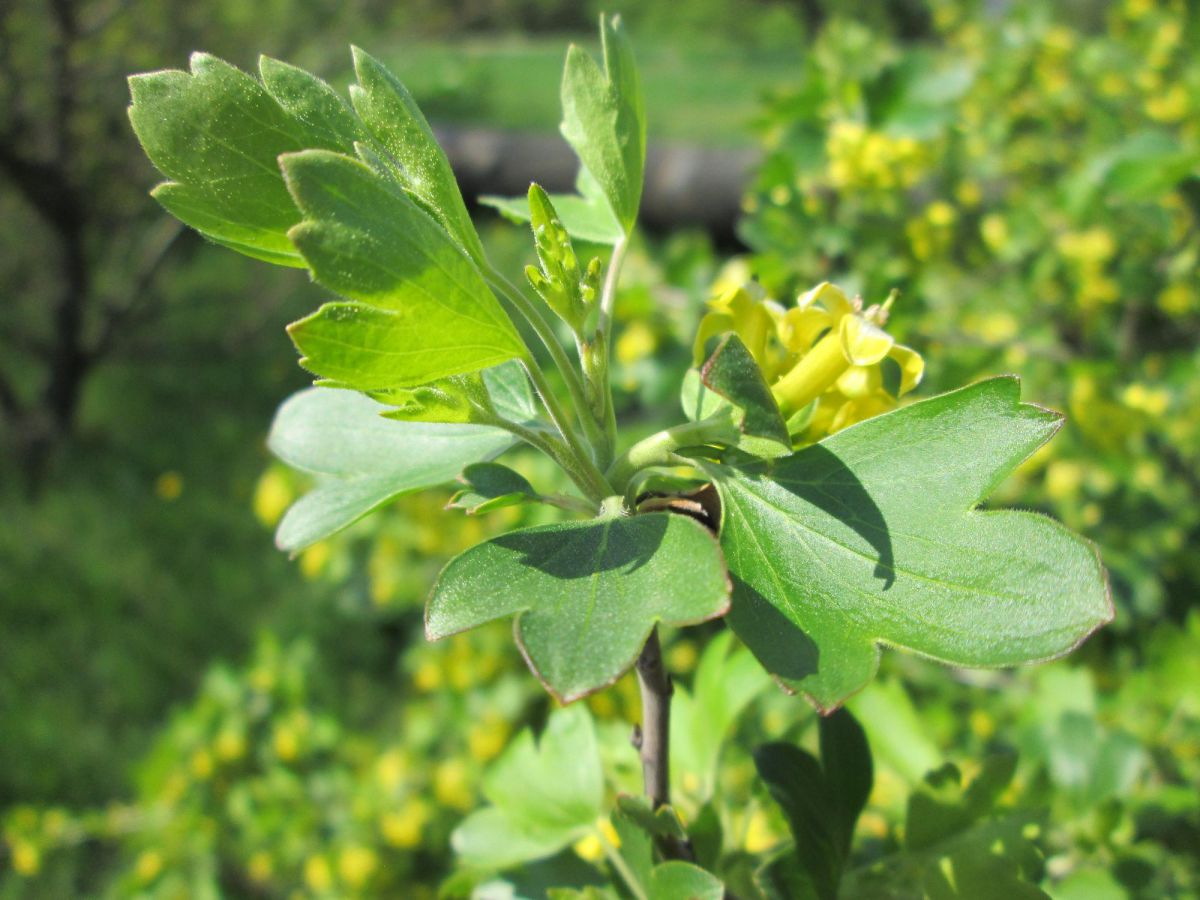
(872, 537)
(544, 794)
(411, 151)
(423, 313)
(361, 460)
(604, 119)
(216, 133)
(585, 594)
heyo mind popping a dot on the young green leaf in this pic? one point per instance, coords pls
(544, 795)
(872, 537)
(491, 486)
(217, 132)
(730, 380)
(586, 594)
(604, 119)
(821, 801)
(424, 312)
(676, 880)
(362, 460)
(413, 153)
(957, 846)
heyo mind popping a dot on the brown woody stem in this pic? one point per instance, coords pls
(652, 739)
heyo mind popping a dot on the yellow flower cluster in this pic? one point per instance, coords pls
(823, 357)
(862, 158)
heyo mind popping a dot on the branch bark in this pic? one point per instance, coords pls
(653, 738)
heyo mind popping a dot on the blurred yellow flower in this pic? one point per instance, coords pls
(994, 230)
(318, 874)
(589, 848)
(148, 866)
(1096, 245)
(760, 837)
(450, 785)
(637, 341)
(314, 559)
(1177, 299)
(405, 827)
(356, 865)
(168, 486)
(391, 769)
(201, 764)
(485, 739)
(26, 858)
(286, 742)
(272, 495)
(1153, 401)
(259, 867)
(230, 745)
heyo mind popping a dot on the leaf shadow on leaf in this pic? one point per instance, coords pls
(783, 648)
(581, 557)
(817, 476)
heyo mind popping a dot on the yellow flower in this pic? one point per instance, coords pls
(403, 828)
(840, 347)
(356, 865)
(259, 867)
(272, 495)
(450, 785)
(26, 859)
(746, 311)
(318, 874)
(168, 486)
(759, 834)
(148, 866)
(822, 357)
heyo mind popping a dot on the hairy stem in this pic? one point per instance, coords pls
(572, 456)
(533, 314)
(659, 449)
(608, 302)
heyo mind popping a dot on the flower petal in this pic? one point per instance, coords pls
(830, 296)
(864, 343)
(912, 366)
(800, 328)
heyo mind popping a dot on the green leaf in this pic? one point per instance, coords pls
(586, 594)
(586, 216)
(872, 537)
(604, 119)
(634, 828)
(682, 881)
(361, 461)
(821, 801)
(957, 846)
(731, 380)
(660, 822)
(479, 398)
(544, 795)
(491, 486)
(701, 719)
(412, 152)
(217, 133)
(897, 733)
(423, 311)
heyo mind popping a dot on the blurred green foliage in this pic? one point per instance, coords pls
(1026, 177)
